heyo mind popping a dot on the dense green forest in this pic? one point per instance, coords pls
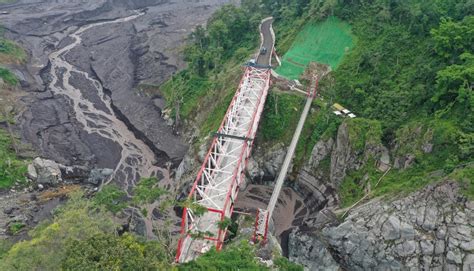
(412, 69)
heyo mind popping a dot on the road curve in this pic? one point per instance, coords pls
(268, 42)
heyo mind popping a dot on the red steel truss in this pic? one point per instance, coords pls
(222, 172)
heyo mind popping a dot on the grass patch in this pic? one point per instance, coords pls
(191, 88)
(465, 176)
(211, 124)
(12, 169)
(11, 52)
(396, 182)
(280, 117)
(8, 77)
(16, 227)
(363, 131)
(219, 98)
(325, 42)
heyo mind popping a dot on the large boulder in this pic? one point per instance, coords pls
(97, 176)
(47, 172)
(31, 172)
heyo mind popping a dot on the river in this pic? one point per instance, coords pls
(137, 159)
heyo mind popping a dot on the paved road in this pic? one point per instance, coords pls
(268, 43)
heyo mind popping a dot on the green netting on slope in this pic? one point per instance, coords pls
(324, 42)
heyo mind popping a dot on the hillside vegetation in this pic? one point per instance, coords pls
(10, 53)
(83, 236)
(12, 168)
(410, 69)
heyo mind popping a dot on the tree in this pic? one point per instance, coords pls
(454, 83)
(218, 32)
(236, 257)
(109, 252)
(454, 38)
(76, 220)
(112, 198)
(147, 191)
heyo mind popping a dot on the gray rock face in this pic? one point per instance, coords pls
(428, 230)
(266, 163)
(468, 263)
(345, 158)
(313, 180)
(391, 228)
(341, 157)
(310, 252)
(320, 152)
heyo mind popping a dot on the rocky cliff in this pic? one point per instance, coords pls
(432, 229)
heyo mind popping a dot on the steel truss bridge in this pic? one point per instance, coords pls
(222, 172)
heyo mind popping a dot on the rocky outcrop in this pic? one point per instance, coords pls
(432, 229)
(46, 172)
(412, 141)
(345, 157)
(320, 152)
(307, 249)
(316, 193)
(265, 164)
(313, 182)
